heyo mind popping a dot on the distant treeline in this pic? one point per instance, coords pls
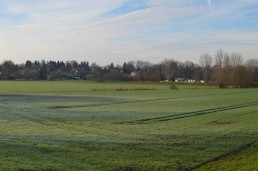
(222, 69)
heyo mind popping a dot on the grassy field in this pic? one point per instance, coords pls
(243, 159)
(79, 125)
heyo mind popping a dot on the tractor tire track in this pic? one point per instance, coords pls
(190, 114)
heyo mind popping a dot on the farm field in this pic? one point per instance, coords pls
(81, 125)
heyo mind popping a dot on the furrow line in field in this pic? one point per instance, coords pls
(212, 111)
(241, 148)
(190, 114)
(180, 114)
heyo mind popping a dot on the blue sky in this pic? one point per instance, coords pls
(123, 30)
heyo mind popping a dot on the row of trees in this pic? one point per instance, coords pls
(223, 69)
(229, 69)
(42, 70)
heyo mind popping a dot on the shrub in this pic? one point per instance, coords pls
(173, 87)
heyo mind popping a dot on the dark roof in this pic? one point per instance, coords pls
(180, 79)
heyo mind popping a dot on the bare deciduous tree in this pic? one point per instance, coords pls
(239, 77)
(226, 68)
(206, 62)
(236, 59)
(169, 68)
(220, 74)
(219, 58)
(252, 65)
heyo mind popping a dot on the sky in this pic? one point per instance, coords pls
(117, 31)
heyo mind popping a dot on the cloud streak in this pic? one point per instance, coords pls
(121, 30)
(209, 3)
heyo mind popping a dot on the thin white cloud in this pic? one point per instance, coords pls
(66, 30)
(209, 3)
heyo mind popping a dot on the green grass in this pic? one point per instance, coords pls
(64, 125)
(245, 159)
